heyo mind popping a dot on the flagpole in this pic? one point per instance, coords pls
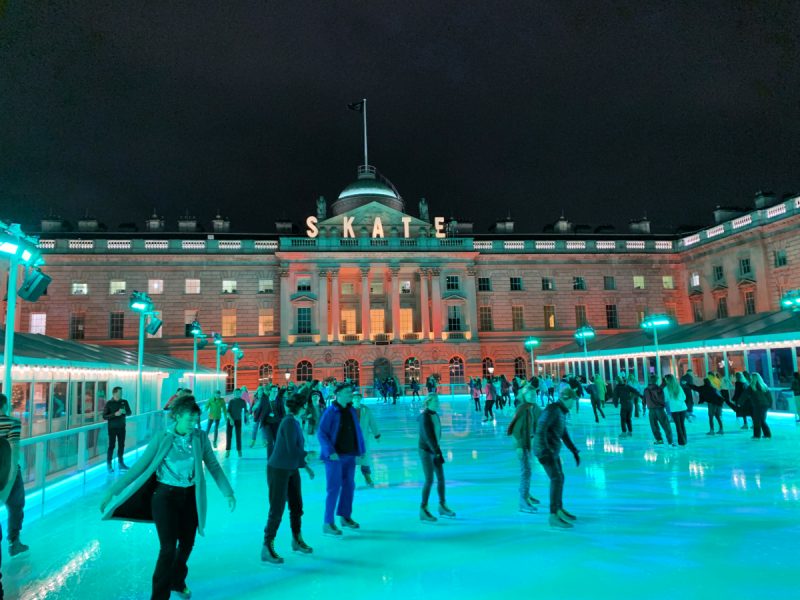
(366, 162)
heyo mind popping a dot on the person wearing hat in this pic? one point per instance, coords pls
(551, 431)
(341, 442)
(522, 428)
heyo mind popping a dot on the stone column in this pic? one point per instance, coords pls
(335, 312)
(425, 310)
(472, 302)
(322, 297)
(436, 293)
(287, 322)
(395, 273)
(365, 304)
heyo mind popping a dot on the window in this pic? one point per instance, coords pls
(452, 282)
(155, 286)
(228, 322)
(376, 288)
(266, 321)
(454, 318)
(548, 284)
(190, 316)
(377, 321)
(638, 282)
(780, 258)
(697, 312)
(456, 368)
(266, 286)
(667, 282)
(304, 371)
(641, 313)
(578, 283)
(549, 316)
(150, 316)
(304, 320)
(516, 284)
(672, 310)
(304, 284)
(580, 315)
(347, 323)
(520, 368)
(191, 286)
(38, 323)
(485, 318)
(612, 320)
(487, 363)
(228, 286)
(609, 282)
(718, 273)
(77, 325)
(406, 321)
(228, 378)
(694, 280)
(116, 325)
(265, 374)
(348, 289)
(749, 302)
(79, 289)
(412, 370)
(116, 287)
(351, 371)
(517, 318)
(405, 287)
(744, 266)
(722, 307)
(484, 284)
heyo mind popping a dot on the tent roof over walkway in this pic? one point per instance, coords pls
(734, 333)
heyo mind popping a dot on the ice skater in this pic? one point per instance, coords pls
(597, 394)
(12, 494)
(626, 395)
(270, 416)
(167, 486)
(491, 397)
(675, 399)
(216, 410)
(236, 413)
(370, 430)
(551, 430)
(656, 403)
(522, 428)
(115, 412)
(761, 401)
(283, 478)
(431, 458)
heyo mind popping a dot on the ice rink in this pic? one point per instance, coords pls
(716, 519)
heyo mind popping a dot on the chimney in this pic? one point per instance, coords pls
(726, 213)
(154, 224)
(503, 225)
(562, 225)
(52, 224)
(764, 199)
(284, 226)
(220, 225)
(88, 224)
(187, 224)
(639, 225)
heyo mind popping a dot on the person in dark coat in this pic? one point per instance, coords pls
(431, 458)
(656, 404)
(741, 395)
(710, 396)
(626, 396)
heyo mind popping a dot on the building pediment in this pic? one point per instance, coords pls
(300, 297)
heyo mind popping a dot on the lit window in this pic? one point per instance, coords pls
(694, 280)
(79, 289)
(638, 282)
(266, 286)
(116, 287)
(38, 323)
(155, 286)
(304, 284)
(376, 288)
(228, 286)
(116, 325)
(485, 318)
(348, 289)
(484, 284)
(266, 321)
(405, 287)
(609, 282)
(549, 316)
(452, 282)
(377, 321)
(668, 282)
(347, 322)
(578, 283)
(192, 286)
(517, 318)
(228, 322)
(548, 284)
(304, 370)
(516, 284)
(406, 321)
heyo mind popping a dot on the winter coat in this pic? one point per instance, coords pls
(370, 431)
(329, 429)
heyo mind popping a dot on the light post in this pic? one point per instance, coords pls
(531, 344)
(654, 323)
(142, 304)
(237, 356)
(791, 301)
(582, 337)
(452, 377)
(220, 348)
(196, 332)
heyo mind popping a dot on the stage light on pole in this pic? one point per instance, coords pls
(141, 303)
(196, 332)
(654, 323)
(791, 301)
(531, 344)
(288, 376)
(582, 336)
(238, 355)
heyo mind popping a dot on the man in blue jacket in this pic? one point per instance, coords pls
(341, 441)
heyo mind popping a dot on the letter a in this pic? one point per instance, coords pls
(377, 228)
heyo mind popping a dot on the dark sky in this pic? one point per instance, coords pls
(602, 110)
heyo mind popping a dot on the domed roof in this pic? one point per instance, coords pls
(369, 187)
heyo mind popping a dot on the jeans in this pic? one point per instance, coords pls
(341, 486)
(429, 468)
(215, 423)
(271, 433)
(256, 427)
(524, 477)
(488, 409)
(116, 435)
(597, 406)
(237, 427)
(714, 412)
(477, 400)
(175, 517)
(680, 426)
(15, 507)
(283, 484)
(658, 416)
(760, 422)
(625, 413)
(552, 466)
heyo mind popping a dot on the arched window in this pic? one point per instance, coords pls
(487, 363)
(265, 374)
(351, 371)
(412, 370)
(456, 370)
(305, 372)
(229, 378)
(520, 368)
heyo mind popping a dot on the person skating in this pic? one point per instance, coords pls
(597, 394)
(167, 486)
(675, 399)
(415, 390)
(551, 431)
(12, 494)
(216, 411)
(115, 412)
(761, 401)
(431, 458)
(341, 442)
(626, 395)
(475, 391)
(370, 430)
(522, 428)
(657, 404)
(687, 381)
(741, 397)
(491, 397)
(271, 414)
(796, 393)
(259, 396)
(283, 478)
(236, 413)
(710, 396)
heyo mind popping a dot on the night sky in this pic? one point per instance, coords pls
(604, 111)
